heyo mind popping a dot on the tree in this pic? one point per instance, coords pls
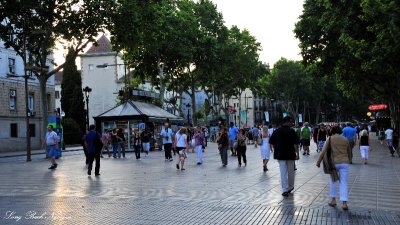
(43, 23)
(71, 92)
(357, 42)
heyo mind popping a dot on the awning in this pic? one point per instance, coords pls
(132, 110)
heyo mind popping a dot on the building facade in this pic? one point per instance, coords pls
(104, 82)
(13, 108)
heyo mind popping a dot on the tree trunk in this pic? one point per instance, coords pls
(317, 111)
(162, 86)
(43, 104)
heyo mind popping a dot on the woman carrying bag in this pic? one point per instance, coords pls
(336, 158)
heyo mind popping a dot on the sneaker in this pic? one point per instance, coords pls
(171, 159)
(304, 153)
(285, 194)
(177, 166)
(55, 166)
(52, 167)
(97, 174)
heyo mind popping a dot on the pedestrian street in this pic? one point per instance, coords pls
(153, 191)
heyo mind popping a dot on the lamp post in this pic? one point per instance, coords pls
(87, 91)
(188, 112)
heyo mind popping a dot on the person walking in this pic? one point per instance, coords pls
(121, 142)
(94, 146)
(351, 134)
(396, 142)
(285, 144)
(306, 135)
(286, 150)
(364, 145)
(136, 142)
(105, 139)
(389, 140)
(241, 147)
(265, 148)
(52, 146)
(114, 142)
(321, 137)
(199, 142)
(166, 135)
(337, 154)
(223, 144)
(233, 132)
(145, 139)
(256, 135)
(181, 147)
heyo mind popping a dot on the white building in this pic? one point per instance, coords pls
(250, 110)
(13, 108)
(104, 82)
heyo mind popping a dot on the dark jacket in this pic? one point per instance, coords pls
(284, 139)
(93, 142)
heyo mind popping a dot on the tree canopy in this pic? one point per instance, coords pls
(44, 22)
(191, 41)
(357, 42)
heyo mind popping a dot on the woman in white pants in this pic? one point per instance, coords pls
(340, 152)
(364, 145)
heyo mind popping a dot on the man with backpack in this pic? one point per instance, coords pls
(305, 135)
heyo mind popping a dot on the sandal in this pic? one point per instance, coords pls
(332, 204)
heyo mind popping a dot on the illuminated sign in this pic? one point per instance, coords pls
(377, 107)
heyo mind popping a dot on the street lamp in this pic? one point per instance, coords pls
(87, 91)
(188, 112)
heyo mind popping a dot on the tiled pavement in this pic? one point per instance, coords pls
(152, 191)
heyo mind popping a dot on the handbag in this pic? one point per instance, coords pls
(328, 163)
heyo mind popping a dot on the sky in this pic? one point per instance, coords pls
(270, 21)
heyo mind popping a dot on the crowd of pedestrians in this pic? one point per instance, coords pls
(334, 147)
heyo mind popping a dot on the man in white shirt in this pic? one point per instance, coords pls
(52, 146)
(389, 139)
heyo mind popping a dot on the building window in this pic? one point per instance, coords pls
(48, 102)
(91, 67)
(14, 130)
(13, 99)
(11, 66)
(31, 101)
(32, 130)
(57, 94)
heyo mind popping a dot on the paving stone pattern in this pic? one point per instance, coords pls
(152, 191)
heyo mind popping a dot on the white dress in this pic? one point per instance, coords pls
(265, 150)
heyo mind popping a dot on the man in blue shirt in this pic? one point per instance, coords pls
(233, 132)
(166, 135)
(94, 146)
(350, 133)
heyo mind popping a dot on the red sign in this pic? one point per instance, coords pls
(377, 107)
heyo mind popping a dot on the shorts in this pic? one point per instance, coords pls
(306, 142)
(52, 150)
(180, 150)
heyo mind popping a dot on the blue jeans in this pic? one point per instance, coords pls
(121, 147)
(115, 148)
